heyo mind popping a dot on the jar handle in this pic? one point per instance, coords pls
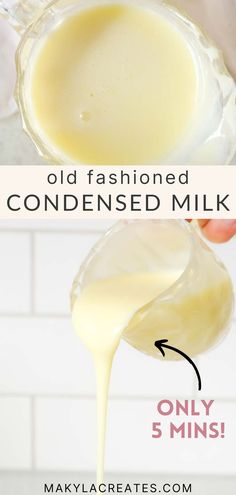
(21, 13)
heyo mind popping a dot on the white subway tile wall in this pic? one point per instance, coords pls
(15, 270)
(66, 437)
(15, 433)
(58, 258)
(47, 383)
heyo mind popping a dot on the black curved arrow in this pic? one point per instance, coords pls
(162, 343)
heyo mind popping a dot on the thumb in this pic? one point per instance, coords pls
(218, 231)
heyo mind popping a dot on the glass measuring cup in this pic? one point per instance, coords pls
(211, 138)
(194, 312)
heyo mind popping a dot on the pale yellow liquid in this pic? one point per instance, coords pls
(107, 308)
(113, 84)
(100, 316)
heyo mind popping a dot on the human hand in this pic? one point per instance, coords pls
(218, 231)
(218, 19)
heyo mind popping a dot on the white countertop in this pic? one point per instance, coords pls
(15, 146)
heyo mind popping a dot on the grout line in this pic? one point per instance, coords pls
(88, 473)
(32, 272)
(33, 431)
(35, 314)
(35, 230)
(66, 396)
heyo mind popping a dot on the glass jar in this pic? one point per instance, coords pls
(194, 312)
(211, 139)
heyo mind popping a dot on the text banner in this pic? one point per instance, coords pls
(117, 192)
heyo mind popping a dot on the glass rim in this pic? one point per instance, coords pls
(191, 236)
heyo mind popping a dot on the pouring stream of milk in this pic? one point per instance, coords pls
(100, 315)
